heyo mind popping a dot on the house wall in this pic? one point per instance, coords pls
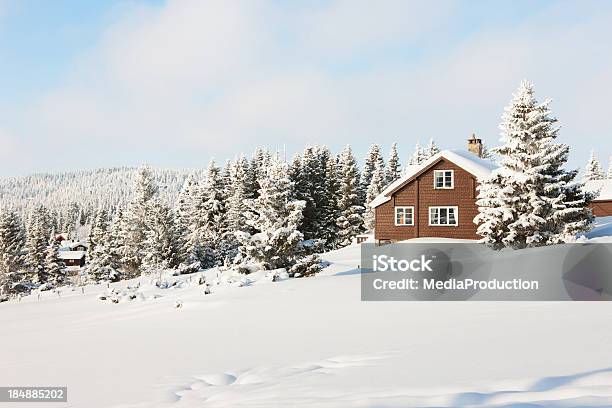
(75, 262)
(421, 194)
(602, 208)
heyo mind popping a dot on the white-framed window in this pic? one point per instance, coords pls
(443, 216)
(444, 179)
(404, 216)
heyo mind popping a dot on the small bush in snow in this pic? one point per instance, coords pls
(307, 266)
(185, 269)
(45, 286)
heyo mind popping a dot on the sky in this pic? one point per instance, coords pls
(100, 83)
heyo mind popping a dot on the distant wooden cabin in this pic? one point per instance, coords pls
(602, 204)
(78, 246)
(73, 258)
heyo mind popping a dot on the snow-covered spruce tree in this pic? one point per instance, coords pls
(259, 163)
(593, 169)
(276, 216)
(103, 263)
(531, 200)
(296, 176)
(12, 241)
(377, 185)
(160, 250)
(105, 260)
(609, 175)
(373, 160)
(184, 213)
(237, 201)
(134, 222)
(226, 177)
(432, 149)
(98, 230)
(312, 191)
(54, 266)
(210, 222)
(419, 155)
(350, 208)
(486, 153)
(237, 208)
(38, 232)
(393, 171)
(329, 231)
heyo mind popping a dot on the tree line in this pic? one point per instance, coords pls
(260, 211)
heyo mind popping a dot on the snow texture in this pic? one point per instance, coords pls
(309, 342)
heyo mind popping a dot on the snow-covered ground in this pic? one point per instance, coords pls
(304, 343)
(602, 231)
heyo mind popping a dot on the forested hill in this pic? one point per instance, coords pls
(89, 189)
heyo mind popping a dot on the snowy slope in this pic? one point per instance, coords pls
(89, 188)
(304, 343)
(602, 230)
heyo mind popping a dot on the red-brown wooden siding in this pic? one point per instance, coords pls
(602, 208)
(421, 194)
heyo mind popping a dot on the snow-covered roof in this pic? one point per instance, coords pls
(462, 158)
(69, 245)
(604, 187)
(71, 254)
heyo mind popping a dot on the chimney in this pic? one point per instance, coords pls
(475, 145)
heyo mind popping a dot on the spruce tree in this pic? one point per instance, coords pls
(350, 209)
(98, 229)
(54, 266)
(531, 200)
(419, 155)
(72, 220)
(258, 167)
(431, 150)
(184, 214)
(135, 221)
(105, 261)
(275, 216)
(593, 169)
(393, 171)
(12, 241)
(102, 265)
(210, 223)
(38, 231)
(312, 191)
(160, 250)
(377, 185)
(609, 175)
(373, 160)
(329, 231)
(296, 176)
(486, 153)
(240, 193)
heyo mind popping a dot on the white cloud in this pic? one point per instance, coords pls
(189, 80)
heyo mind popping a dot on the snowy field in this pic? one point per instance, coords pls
(303, 343)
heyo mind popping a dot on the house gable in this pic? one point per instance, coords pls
(418, 191)
(467, 161)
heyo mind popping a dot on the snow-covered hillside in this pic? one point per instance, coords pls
(91, 189)
(303, 343)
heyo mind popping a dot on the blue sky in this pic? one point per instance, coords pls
(98, 83)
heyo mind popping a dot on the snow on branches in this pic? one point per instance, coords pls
(531, 200)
